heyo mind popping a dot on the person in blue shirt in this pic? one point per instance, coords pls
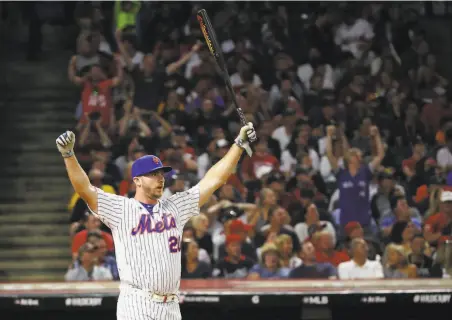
(401, 213)
(270, 267)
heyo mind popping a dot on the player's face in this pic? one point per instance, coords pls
(151, 184)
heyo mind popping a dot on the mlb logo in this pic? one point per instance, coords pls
(156, 160)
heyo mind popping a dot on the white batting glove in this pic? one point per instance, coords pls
(65, 144)
(247, 133)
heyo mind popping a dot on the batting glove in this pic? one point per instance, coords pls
(246, 135)
(65, 144)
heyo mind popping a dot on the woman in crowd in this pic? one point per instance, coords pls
(270, 266)
(259, 217)
(313, 223)
(192, 268)
(396, 263)
(201, 225)
(402, 233)
(288, 258)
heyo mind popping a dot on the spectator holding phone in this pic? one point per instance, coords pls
(96, 93)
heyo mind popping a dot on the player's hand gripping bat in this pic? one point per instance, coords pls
(215, 50)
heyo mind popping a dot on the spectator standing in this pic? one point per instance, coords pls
(125, 13)
(87, 270)
(359, 267)
(96, 95)
(261, 159)
(149, 79)
(353, 181)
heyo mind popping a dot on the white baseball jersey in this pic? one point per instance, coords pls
(148, 246)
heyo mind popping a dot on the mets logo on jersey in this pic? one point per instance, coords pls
(148, 224)
(156, 160)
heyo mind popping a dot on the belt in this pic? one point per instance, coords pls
(157, 297)
(164, 298)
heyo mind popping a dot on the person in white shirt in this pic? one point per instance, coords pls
(359, 267)
(354, 35)
(297, 147)
(283, 134)
(245, 75)
(444, 155)
(313, 222)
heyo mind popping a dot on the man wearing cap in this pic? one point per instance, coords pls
(147, 230)
(440, 224)
(234, 264)
(237, 228)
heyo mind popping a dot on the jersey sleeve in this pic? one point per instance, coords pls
(110, 208)
(187, 204)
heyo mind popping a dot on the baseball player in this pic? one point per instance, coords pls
(146, 230)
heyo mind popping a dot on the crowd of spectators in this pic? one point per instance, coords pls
(350, 176)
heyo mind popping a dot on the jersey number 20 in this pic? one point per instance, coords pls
(174, 244)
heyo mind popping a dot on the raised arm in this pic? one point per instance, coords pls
(173, 67)
(72, 72)
(220, 172)
(375, 163)
(330, 130)
(77, 176)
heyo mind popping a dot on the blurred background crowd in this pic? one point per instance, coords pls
(351, 176)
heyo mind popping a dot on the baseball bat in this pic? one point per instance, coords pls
(215, 50)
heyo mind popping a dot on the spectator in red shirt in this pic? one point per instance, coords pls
(96, 95)
(323, 242)
(92, 224)
(409, 165)
(260, 158)
(440, 223)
